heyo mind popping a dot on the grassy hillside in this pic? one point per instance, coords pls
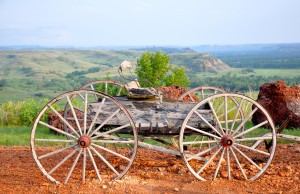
(47, 73)
(56, 64)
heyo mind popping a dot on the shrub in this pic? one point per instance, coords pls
(21, 113)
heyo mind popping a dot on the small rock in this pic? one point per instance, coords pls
(181, 171)
(176, 189)
(104, 187)
(285, 171)
(122, 167)
(223, 161)
(297, 150)
(161, 169)
(224, 174)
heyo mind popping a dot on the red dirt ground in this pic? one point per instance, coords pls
(152, 172)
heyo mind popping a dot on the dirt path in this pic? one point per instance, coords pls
(152, 172)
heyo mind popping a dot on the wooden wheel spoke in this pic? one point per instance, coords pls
(57, 130)
(112, 131)
(206, 122)
(255, 138)
(201, 153)
(247, 158)
(199, 142)
(56, 140)
(119, 91)
(244, 121)
(75, 117)
(216, 117)
(209, 161)
(251, 129)
(85, 114)
(110, 151)
(63, 161)
(72, 167)
(191, 97)
(235, 116)
(93, 162)
(104, 122)
(62, 119)
(202, 93)
(56, 152)
(226, 114)
(228, 163)
(114, 141)
(202, 132)
(252, 149)
(84, 165)
(219, 108)
(96, 116)
(218, 165)
(239, 164)
(106, 162)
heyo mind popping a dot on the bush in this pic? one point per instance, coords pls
(21, 113)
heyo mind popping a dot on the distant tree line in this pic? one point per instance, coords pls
(241, 83)
(83, 72)
(261, 59)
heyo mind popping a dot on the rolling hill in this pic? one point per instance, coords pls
(50, 64)
(46, 73)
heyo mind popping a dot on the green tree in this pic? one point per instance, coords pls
(177, 77)
(154, 69)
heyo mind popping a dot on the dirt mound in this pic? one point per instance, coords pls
(281, 101)
(53, 120)
(174, 91)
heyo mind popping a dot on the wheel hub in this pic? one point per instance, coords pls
(227, 140)
(84, 141)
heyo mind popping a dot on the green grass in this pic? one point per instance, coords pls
(15, 136)
(20, 136)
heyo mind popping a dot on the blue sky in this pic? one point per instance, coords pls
(148, 22)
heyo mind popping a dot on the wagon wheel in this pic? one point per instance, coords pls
(234, 153)
(110, 87)
(90, 125)
(200, 93)
(195, 95)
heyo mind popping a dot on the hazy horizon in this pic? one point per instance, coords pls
(118, 23)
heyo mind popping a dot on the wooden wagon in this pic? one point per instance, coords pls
(101, 129)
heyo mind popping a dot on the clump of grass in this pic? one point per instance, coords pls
(21, 112)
